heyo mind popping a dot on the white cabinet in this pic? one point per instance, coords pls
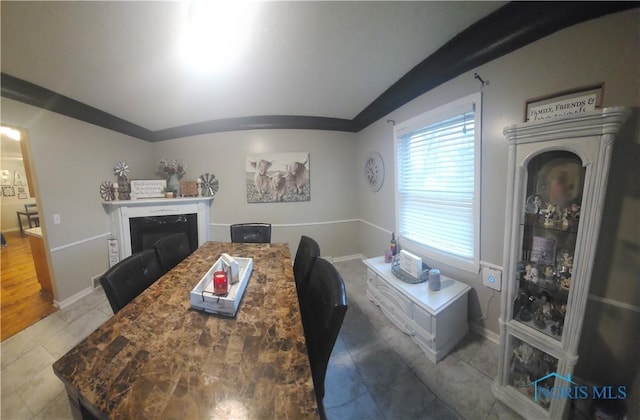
(436, 320)
(556, 188)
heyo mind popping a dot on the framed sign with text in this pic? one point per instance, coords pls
(148, 188)
(568, 102)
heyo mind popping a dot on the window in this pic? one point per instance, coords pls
(438, 183)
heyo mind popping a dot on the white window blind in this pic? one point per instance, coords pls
(437, 191)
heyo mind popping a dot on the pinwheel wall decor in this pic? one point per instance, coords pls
(209, 185)
(107, 192)
(121, 170)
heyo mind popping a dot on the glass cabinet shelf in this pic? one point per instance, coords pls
(531, 372)
(550, 221)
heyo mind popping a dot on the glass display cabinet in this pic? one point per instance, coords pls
(558, 171)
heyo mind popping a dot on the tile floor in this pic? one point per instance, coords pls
(375, 372)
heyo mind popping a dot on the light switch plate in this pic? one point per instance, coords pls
(492, 278)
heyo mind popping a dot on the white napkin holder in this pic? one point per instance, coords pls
(410, 264)
(231, 268)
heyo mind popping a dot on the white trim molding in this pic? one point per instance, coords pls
(80, 242)
(387, 231)
(328, 222)
(61, 304)
(484, 332)
(615, 303)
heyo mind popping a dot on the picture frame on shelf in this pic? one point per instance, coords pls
(148, 188)
(567, 102)
(188, 188)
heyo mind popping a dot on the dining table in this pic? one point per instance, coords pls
(159, 358)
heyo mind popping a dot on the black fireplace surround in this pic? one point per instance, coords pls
(145, 231)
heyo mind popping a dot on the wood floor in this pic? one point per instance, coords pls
(22, 303)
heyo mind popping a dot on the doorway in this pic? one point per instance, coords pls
(23, 302)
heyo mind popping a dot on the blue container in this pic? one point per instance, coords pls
(434, 279)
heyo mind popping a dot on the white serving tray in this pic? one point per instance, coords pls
(202, 297)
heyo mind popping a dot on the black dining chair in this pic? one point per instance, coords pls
(258, 233)
(172, 249)
(323, 307)
(306, 255)
(130, 277)
(32, 214)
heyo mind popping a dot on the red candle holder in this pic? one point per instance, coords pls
(220, 283)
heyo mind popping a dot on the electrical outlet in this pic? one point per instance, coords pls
(56, 219)
(492, 278)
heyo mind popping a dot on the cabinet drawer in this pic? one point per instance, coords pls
(395, 299)
(424, 340)
(396, 316)
(423, 319)
(372, 278)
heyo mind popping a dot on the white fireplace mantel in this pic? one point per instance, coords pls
(120, 211)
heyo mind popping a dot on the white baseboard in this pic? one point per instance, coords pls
(348, 258)
(72, 299)
(95, 281)
(486, 333)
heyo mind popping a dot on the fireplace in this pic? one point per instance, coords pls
(145, 231)
(138, 224)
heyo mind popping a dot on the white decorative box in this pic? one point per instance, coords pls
(203, 298)
(412, 264)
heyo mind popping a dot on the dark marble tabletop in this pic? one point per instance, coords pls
(158, 358)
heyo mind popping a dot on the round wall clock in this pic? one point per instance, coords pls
(374, 171)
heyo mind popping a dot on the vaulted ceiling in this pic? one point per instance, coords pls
(320, 65)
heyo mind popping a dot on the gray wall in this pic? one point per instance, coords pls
(329, 215)
(71, 158)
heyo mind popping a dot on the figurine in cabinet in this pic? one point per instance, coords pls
(565, 262)
(573, 212)
(521, 381)
(565, 220)
(556, 328)
(550, 216)
(524, 354)
(548, 272)
(539, 320)
(534, 204)
(546, 307)
(531, 274)
(524, 300)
